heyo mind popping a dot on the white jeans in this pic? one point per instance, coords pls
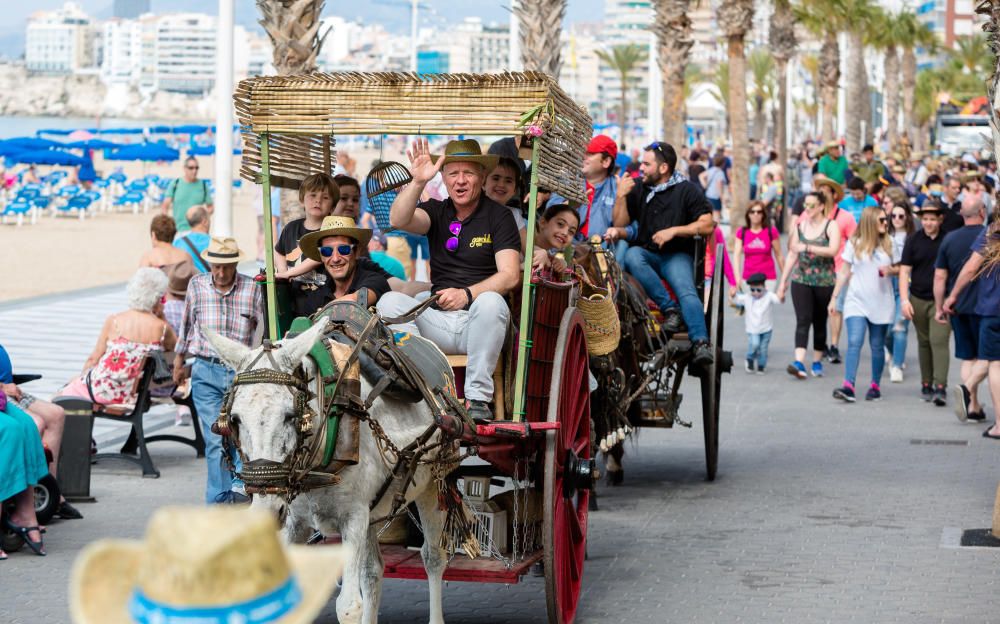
(478, 332)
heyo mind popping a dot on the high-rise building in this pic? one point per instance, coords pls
(627, 22)
(470, 46)
(949, 20)
(130, 9)
(60, 41)
(122, 58)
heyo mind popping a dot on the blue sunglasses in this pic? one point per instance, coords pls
(342, 250)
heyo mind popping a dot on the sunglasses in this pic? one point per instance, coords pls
(342, 250)
(455, 227)
(898, 216)
(883, 220)
(756, 212)
(657, 146)
(756, 290)
(192, 168)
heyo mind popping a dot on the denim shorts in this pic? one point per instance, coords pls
(989, 338)
(965, 328)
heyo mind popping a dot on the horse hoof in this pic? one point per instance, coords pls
(615, 477)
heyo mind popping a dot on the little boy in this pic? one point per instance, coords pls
(759, 313)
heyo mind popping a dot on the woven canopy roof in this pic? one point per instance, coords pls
(302, 115)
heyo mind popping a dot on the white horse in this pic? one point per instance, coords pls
(264, 415)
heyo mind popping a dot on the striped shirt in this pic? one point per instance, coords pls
(235, 314)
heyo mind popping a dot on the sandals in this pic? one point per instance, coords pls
(36, 546)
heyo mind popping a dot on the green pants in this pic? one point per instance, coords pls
(932, 342)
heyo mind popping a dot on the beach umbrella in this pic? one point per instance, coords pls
(121, 131)
(207, 150)
(161, 130)
(48, 157)
(80, 135)
(190, 129)
(30, 143)
(54, 132)
(145, 151)
(92, 144)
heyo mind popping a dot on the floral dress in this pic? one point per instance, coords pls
(813, 270)
(112, 380)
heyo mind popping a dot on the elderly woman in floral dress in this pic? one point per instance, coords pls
(126, 339)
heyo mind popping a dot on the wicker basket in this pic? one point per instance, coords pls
(601, 323)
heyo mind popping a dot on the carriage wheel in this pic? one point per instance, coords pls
(711, 379)
(568, 472)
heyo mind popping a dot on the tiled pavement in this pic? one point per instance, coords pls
(822, 512)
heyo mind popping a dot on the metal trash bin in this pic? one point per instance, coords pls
(74, 455)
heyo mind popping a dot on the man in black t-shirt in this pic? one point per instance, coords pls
(338, 244)
(475, 260)
(916, 296)
(667, 212)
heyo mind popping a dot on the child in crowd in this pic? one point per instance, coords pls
(759, 306)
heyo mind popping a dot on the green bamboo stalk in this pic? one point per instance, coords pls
(272, 297)
(524, 341)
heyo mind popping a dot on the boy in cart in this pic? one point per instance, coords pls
(759, 320)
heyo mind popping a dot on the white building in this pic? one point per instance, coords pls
(472, 47)
(580, 73)
(122, 58)
(60, 41)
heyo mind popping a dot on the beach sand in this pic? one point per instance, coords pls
(65, 253)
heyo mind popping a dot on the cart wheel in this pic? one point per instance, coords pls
(711, 379)
(568, 472)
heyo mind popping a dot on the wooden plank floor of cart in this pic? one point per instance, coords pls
(403, 563)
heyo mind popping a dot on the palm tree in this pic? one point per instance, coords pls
(925, 99)
(972, 54)
(810, 63)
(912, 34)
(674, 40)
(293, 27)
(761, 65)
(781, 40)
(624, 59)
(735, 18)
(720, 90)
(858, 15)
(826, 19)
(539, 29)
(886, 37)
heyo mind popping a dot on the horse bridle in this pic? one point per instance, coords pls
(298, 472)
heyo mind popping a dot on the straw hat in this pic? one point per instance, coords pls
(218, 561)
(467, 151)
(178, 276)
(822, 180)
(223, 251)
(333, 226)
(929, 207)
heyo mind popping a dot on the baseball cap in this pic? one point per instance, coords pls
(603, 143)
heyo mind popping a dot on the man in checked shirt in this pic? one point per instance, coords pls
(231, 305)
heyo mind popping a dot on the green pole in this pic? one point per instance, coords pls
(524, 342)
(272, 298)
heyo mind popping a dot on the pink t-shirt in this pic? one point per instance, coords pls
(846, 224)
(758, 254)
(727, 266)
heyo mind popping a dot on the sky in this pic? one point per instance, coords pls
(393, 14)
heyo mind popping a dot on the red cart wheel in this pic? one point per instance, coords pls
(568, 471)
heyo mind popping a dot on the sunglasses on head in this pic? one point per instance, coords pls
(455, 227)
(342, 250)
(657, 146)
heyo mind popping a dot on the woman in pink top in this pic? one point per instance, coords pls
(727, 266)
(758, 245)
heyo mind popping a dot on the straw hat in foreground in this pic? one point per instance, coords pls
(212, 564)
(333, 226)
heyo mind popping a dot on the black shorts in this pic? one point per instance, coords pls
(989, 338)
(965, 328)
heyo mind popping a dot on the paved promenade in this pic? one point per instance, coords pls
(822, 512)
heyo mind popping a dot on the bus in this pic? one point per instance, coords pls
(958, 134)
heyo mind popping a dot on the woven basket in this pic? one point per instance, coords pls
(600, 317)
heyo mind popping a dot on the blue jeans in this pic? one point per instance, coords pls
(678, 269)
(896, 344)
(209, 382)
(757, 345)
(856, 327)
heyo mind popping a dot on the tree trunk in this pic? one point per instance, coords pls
(673, 39)
(540, 26)
(855, 94)
(674, 130)
(891, 103)
(909, 87)
(739, 184)
(781, 121)
(829, 78)
(759, 119)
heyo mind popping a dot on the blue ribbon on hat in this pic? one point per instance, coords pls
(269, 607)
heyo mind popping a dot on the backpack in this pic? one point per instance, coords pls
(204, 190)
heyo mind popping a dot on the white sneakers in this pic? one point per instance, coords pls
(895, 374)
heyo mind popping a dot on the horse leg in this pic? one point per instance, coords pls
(354, 535)
(434, 556)
(371, 571)
(613, 461)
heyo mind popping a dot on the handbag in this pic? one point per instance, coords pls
(600, 317)
(162, 369)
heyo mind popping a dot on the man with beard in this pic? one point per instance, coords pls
(667, 212)
(338, 245)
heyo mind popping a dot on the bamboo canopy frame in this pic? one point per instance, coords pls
(290, 124)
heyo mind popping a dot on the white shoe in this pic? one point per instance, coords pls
(895, 374)
(183, 418)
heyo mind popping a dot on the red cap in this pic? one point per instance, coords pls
(603, 143)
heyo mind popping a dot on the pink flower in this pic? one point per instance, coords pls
(534, 130)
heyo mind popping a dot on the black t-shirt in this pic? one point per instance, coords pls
(920, 253)
(694, 171)
(952, 219)
(489, 229)
(679, 205)
(956, 247)
(367, 274)
(306, 295)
